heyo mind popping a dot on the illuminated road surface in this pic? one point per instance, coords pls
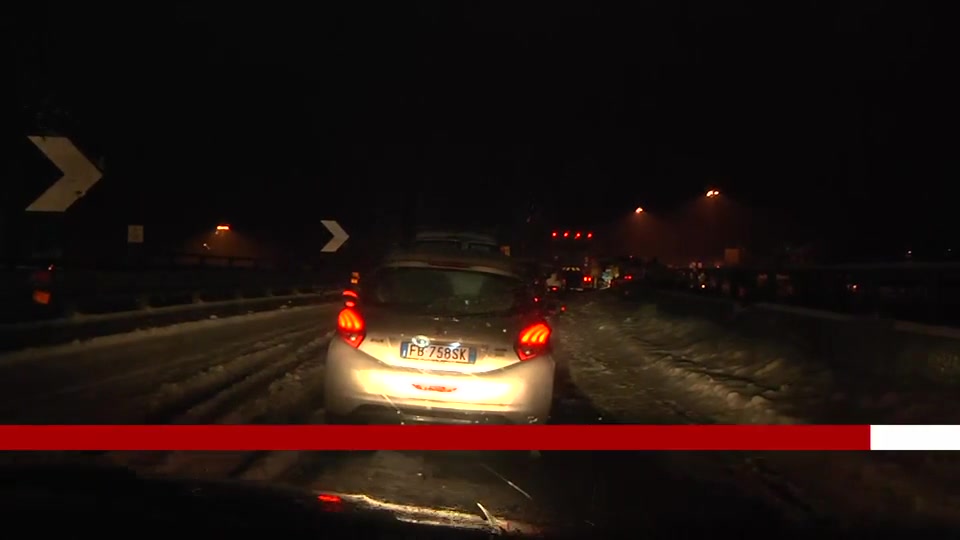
(268, 368)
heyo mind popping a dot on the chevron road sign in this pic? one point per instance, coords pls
(79, 175)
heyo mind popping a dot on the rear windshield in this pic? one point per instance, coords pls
(440, 291)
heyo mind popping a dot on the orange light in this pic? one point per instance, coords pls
(639, 210)
(41, 297)
(589, 235)
(566, 234)
(223, 227)
(538, 334)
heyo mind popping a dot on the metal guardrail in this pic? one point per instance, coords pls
(52, 292)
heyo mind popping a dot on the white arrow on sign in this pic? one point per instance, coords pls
(79, 175)
(339, 235)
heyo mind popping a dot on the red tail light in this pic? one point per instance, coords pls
(351, 327)
(533, 341)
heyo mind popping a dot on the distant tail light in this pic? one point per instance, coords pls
(351, 327)
(350, 298)
(533, 341)
(587, 279)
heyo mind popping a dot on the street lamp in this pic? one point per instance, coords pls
(712, 193)
(639, 210)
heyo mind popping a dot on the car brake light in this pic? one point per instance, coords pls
(351, 327)
(533, 341)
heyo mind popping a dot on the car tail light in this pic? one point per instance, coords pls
(351, 327)
(533, 341)
(350, 298)
(587, 279)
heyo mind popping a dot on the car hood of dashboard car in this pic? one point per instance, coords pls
(107, 499)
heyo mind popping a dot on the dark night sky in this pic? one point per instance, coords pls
(279, 117)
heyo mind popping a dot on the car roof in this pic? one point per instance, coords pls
(455, 260)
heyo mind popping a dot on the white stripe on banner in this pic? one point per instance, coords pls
(914, 437)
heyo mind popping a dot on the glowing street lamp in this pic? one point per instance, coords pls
(713, 193)
(639, 210)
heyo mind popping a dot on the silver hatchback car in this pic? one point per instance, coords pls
(441, 338)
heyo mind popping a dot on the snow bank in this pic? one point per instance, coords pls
(783, 367)
(642, 365)
(150, 332)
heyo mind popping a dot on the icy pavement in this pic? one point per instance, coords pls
(269, 368)
(633, 362)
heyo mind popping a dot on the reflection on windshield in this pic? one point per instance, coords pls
(445, 291)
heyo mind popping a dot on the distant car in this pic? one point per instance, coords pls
(574, 279)
(464, 241)
(441, 338)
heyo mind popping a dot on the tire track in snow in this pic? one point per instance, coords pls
(131, 386)
(172, 400)
(274, 391)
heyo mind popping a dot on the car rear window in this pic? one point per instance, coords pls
(441, 291)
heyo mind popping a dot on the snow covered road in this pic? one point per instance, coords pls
(641, 366)
(268, 368)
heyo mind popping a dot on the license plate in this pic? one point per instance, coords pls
(438, 353)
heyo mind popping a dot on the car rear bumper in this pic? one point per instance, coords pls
(360, 387)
